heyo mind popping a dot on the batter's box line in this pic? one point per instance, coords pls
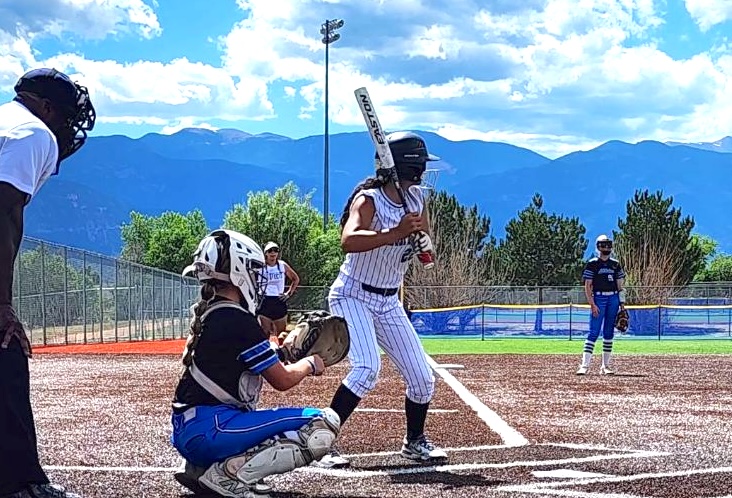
(508, 434)
(550, 488)
(360, 474)
(594, 447)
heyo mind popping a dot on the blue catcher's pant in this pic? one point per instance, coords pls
(204, 435)
(605, 320)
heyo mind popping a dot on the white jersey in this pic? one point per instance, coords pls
(385, 266)
(275, 279)
(28, 150)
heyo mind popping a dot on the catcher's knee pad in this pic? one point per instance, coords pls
(282, 454)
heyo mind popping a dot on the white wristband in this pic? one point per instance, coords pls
(622, 296)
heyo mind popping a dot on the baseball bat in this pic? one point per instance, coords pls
(378, 137)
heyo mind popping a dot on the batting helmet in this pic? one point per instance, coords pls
(410, 156)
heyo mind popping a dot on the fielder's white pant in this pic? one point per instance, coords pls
(380, 321)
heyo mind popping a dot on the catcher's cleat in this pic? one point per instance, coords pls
(187, 476)
(606, 370)
(216, 479)
(333, 460)
(582, 370)
(422, 449)
(43, 491)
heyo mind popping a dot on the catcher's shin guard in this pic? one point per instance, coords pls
(283, 454)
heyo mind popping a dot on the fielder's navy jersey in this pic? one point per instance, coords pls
(604, 274)
(232, 351)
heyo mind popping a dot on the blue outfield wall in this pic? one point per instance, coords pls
(682, 319)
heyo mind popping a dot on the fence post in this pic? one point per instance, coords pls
(154, 304)
(43, 292)
(482, 321)
(20, 288)
(659, 322)
(101, 299)
(571, 307)
(180, 308)
(66, 295)
(129, 301)
(83, 292)
(116, 311)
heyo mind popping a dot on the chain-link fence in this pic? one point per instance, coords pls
(65, 295)
(70, 296)
(446, 296)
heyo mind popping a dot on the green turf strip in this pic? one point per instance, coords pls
(565, 346)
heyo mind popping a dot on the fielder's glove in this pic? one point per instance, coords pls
(622, 320)
(321, 333)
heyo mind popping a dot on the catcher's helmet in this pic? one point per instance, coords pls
(230, 256)
(410, 156)
(69, 98)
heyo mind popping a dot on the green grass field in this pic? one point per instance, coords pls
(564, 346)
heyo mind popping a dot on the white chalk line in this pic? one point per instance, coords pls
(508, 434)
(470, 466)
(548, 487)
(396, 410)
(152, 469)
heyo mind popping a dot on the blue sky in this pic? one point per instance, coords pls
(551, 75)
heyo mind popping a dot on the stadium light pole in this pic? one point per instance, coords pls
(328, 30)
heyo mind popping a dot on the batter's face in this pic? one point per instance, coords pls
(271, 256)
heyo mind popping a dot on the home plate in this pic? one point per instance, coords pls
(450, 366)
(565, 474)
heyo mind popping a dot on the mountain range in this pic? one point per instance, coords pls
(85, 205)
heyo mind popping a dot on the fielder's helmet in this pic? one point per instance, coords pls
(410, 156)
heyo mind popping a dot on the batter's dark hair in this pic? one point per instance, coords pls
(371, 182)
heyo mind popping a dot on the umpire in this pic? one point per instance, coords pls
(604, 279)
(45, 123)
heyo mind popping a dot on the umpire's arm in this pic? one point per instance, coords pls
(12, 203)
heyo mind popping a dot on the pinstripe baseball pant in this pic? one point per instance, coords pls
(380, 321)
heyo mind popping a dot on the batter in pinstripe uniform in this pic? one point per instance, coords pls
(375, 233)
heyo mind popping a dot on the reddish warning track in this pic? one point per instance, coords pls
(659, 430)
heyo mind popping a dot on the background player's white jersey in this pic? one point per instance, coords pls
(275, 279)
(384, 267)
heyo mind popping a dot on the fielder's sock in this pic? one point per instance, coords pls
(586, 359)
(416, 417)
(607, 348)
(344, 403)
(587, 352)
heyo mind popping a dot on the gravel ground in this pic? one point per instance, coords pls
(657, 429)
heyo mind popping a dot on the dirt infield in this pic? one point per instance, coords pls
(659, 429)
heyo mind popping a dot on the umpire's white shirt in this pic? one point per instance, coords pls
(28, 150)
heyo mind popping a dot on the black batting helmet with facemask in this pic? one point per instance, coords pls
(410, 156)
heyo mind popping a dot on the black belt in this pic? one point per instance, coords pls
(380, 291)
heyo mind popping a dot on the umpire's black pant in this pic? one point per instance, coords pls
(19, 465)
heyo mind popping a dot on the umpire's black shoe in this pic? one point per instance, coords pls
(43, 491)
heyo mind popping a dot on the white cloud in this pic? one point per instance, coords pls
(85, 18)
(551, 75)
(708, 13)
(186, 122)
(551, 146)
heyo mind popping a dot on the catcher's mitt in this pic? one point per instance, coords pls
(622, 320)
(321, 333)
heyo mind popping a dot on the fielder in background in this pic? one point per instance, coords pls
(604, 279)
(375, 233)
(45, 123)
(273, 310)
(230, 446)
